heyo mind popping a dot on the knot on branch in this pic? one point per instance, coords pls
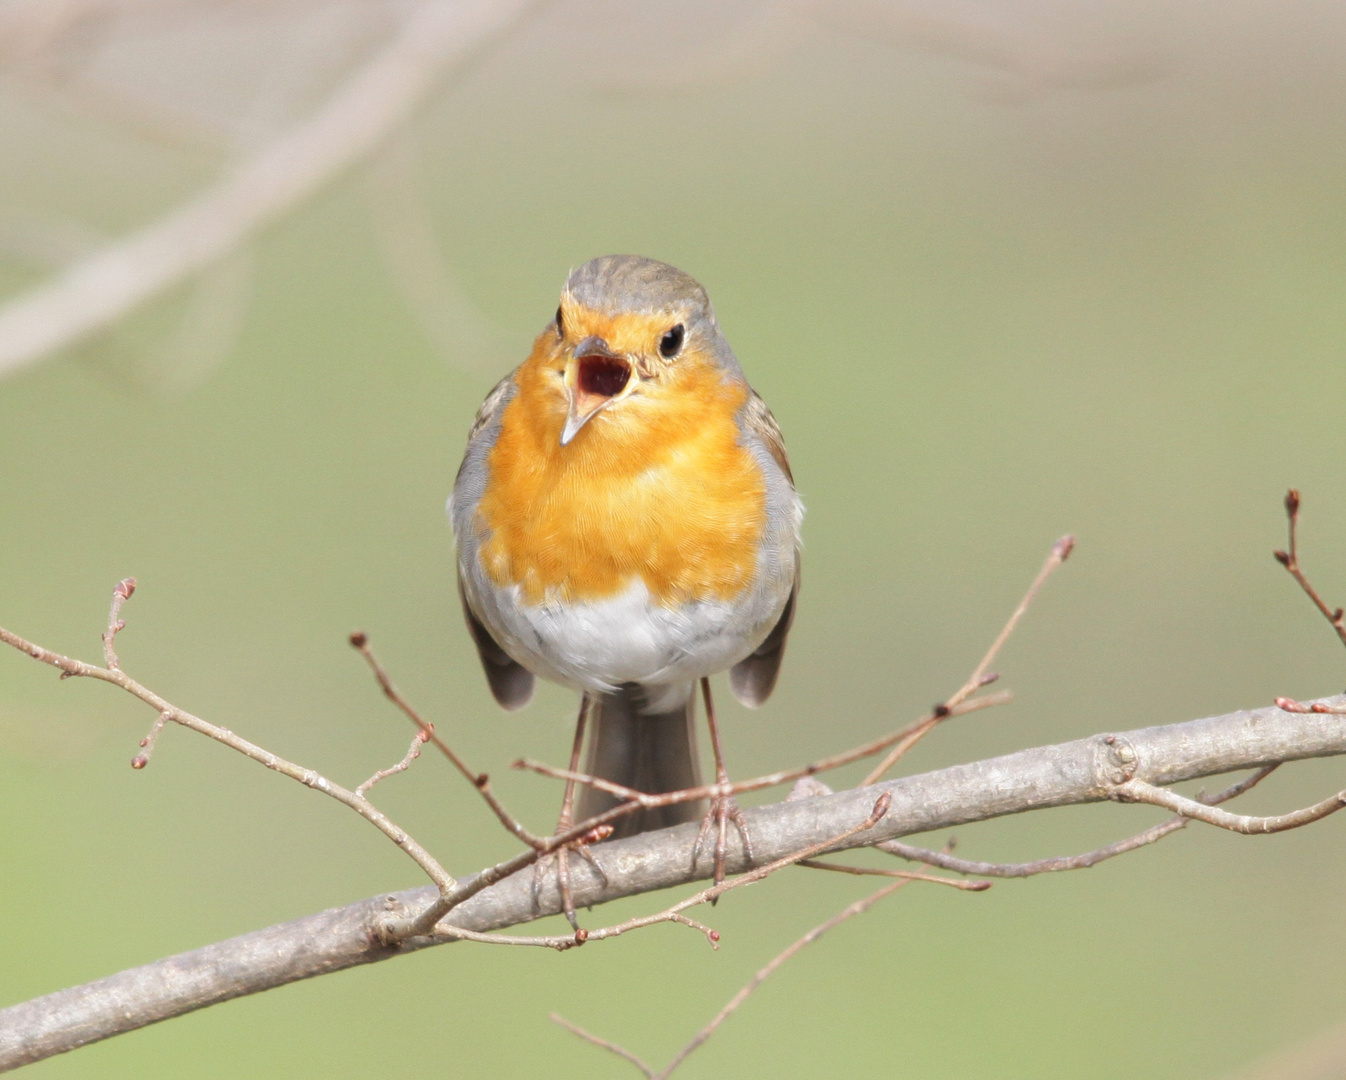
(389, 928)
(1115, 762)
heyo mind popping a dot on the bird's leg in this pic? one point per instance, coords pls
(723, 808)
(567, 819)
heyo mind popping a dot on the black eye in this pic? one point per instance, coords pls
(560, 323)
(671, 342)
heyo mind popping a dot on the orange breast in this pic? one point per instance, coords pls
(655, 488)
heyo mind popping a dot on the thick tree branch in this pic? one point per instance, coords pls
(1086, 770)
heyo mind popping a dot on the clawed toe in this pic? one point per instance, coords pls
(561, 857)
(723, 810)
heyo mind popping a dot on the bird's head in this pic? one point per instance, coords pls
(627, 331)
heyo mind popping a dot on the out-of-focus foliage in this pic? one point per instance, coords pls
(1002, 272)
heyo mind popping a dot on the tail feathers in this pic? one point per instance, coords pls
(650, 752)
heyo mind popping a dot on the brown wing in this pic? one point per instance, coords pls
(758, 419)
(753, 678)
(486, 414)
(491, 405)
(511, 683)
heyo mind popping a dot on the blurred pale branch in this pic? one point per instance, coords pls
(990, 36)
(1032, 58)
(357, 117)
(1322, 1056)
(106, 59)
(407, 239)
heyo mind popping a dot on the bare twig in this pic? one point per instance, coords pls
(1290, 560)
(873, 871)
(396, 928)
(70, 668)
(641, 800)
(1139, 791)
(356, 118)
(413, 752)
(857, 908)
(611, 1047)
(481, 781)
(426, 922)
(1038, 866)
(947, 861)
(1128, 767)
(148, 742)
(1233, 791)
(1020, 870)
(675, 912)
(115, 625)
(981, 675)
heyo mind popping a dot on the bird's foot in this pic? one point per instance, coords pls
(560, 858)
(723, 810)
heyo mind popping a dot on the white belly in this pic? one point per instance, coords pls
(629, 638)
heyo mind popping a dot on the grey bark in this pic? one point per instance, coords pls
(1086, 770)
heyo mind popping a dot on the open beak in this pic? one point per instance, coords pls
(595, 376)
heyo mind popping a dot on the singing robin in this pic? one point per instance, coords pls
(627, 525)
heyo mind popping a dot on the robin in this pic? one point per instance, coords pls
(627, 525)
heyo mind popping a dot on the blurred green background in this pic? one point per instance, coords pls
(1089, 277)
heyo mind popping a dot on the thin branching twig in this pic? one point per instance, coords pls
(640, 800)
(481, 781)
(674, 913)
(981, 674)
(1289, 559)
(413, 752)
(697, 1040)
(115, 625)
(1134, 790)
(1057, 864)
(168, 712)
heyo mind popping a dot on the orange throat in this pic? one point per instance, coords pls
(656, 489)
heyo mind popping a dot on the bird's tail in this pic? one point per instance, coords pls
(650, 752)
